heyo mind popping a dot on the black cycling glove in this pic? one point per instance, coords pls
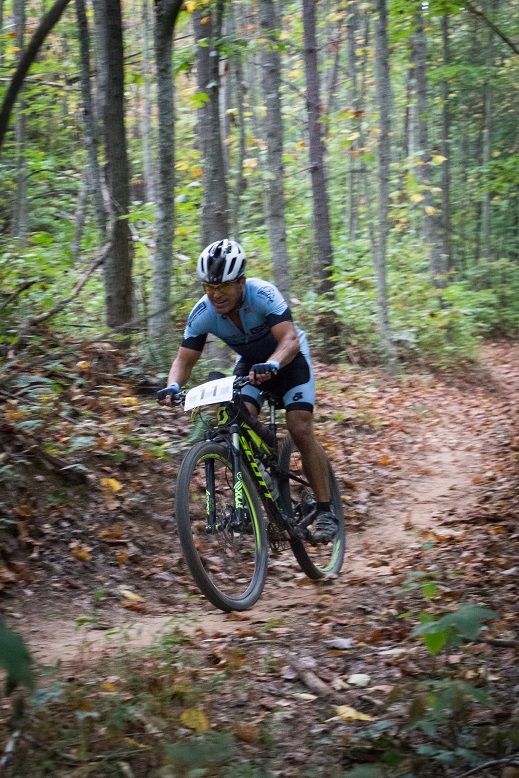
(169, 391)
(261, 368)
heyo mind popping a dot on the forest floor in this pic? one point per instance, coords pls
(318, 679)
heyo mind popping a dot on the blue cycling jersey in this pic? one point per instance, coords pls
(263, 306)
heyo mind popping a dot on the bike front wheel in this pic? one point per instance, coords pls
(316, 561)
(226, 550)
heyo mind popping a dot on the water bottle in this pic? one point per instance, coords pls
(271, 483)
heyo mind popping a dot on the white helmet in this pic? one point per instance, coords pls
(223, 260)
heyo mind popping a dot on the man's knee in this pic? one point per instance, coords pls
(300, 425)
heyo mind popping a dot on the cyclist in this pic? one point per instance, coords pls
(252, 317)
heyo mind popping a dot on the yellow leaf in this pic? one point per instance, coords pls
(81, 552)
(108, 686)
(438, 159)
(416, 197)
(345, 713)
(195, 719)
(131, 596)
(129, 401)
(83, 364)
(430, 210)
(111, 485)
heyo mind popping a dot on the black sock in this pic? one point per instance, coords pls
(323, 506)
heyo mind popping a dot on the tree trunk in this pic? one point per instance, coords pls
(352, 207)
(118, 267)
(20, 227)
(148, 172)
(486, 147)
(321, 214)
(446, 150)
(383, 89)
(166, 12)
(215, 209)
(429, 211)
(271, 79)
(95, 182)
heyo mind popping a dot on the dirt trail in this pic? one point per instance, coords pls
(445, 454)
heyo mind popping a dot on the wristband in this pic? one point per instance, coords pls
(174, 386)
(273, 363)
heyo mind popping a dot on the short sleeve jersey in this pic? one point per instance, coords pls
(262, 308)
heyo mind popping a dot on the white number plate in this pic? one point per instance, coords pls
(210, 393)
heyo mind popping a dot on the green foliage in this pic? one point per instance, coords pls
(206, 750)
(465, 623)
(15, 659)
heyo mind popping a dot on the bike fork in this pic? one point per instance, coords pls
(237, 474)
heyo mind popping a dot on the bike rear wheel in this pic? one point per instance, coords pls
(229, 560)
(316, 561)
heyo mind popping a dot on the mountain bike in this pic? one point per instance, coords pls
(242, 492)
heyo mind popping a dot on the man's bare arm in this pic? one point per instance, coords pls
(288, 347)
(181, 369)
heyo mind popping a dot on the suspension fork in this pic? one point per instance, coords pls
(237, 473)
(210, 501)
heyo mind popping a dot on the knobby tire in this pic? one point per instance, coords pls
(230, 564)
(315, 561)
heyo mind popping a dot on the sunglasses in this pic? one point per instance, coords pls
(226, 287)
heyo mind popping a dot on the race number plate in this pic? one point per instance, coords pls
(210, 393)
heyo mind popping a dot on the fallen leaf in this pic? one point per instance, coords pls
(131, 596)
(247, 733)
(195, 719)
(111, 485)
(359, 679)
(345, 713)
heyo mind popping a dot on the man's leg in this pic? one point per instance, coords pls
(315, 464)
(300, 424)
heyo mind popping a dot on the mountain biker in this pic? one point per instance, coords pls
(252, 317)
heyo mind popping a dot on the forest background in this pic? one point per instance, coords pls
(364, 154)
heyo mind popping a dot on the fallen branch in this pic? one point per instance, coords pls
(302, 666)
(514, 760)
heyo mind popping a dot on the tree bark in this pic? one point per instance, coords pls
(271, 80)
(383, 90)
(29, 55)
(429, 210)
(166, 12)
(20, 227)
(118, 267)
(446, 149)
(321, 213)
(94, 178)
(148, 171)
(352, 207)
(215, 210)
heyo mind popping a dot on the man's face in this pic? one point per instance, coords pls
(227, 296)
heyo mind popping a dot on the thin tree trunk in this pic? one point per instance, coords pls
(353, 166)
(118, 267)
(321, 214)
(446, 149)
(148, 172)
(20, 207)
(239, 82)
(271, 78)
(429, 210)
(215, 209)
(383, 89)
(95, 181)
(486, 148)
(166, 12)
